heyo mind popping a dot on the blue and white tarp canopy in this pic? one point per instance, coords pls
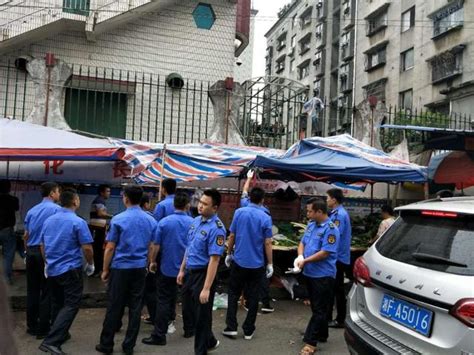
(338, 159)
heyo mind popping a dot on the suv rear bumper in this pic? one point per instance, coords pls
(360, 342)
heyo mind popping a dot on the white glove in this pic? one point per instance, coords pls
(297, 260)
(45, 272)
(89, 269)
(269, 272)
(250, 174)
(228, 260)
(293, 270)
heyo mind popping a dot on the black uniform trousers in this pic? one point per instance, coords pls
(197, 317)
(38, 303)
(249, 280)
(339, 293)
(320, 291)
(166, 305)
(125, 288)
(66, 294)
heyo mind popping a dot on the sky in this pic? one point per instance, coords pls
(266, 17)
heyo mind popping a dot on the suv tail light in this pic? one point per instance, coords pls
(362, 272)
(464, 311)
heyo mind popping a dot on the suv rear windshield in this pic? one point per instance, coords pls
(436, 243)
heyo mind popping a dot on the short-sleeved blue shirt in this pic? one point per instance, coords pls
(62, 236)
(324, 236)
(164, 208)
(35, 219)
(205, 238)
(341, 219)
(245, 201)
(251, 226)
(172, 236)
(132, 231)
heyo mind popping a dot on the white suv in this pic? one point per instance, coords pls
(414, 289)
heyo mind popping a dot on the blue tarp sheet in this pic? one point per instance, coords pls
(338, 159)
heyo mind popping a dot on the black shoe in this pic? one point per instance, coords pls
(41, 335)
(230, 333)
(188, 334)
(127, 351)
(53, 350)
(151, 340)
(267, 308)
(335, 324)
(212, 348)
(102, 349)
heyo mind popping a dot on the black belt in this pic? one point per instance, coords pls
(33, 247)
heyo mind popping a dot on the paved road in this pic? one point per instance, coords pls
(277, 333)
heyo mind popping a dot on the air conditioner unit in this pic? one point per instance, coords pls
(320, 3)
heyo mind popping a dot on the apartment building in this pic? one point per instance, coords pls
(416, 54)
(141, 69)
(313, 42)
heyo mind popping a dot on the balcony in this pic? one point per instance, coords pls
(30, 22)
(447, 65)
(319, 63)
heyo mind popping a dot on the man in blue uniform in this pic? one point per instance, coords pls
(125, 260)
(251, 233)
(63, 236)
(341, 219)
(317, 255)
(206, 240)
(9, 205)
(264, 289)
(165, 207)
(38, 310)
(99, 217)
(171, 240)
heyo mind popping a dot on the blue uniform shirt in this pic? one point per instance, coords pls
(341, 219)
(245, 202)
(164, 208)
(172, 236)
(62, 236)
(251, 226)
(35, 219)
(205, 238)
(131, 231)
(324, 236)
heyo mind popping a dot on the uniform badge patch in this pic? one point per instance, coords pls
(332, 239)
(203, 233)
(219, 224)
(336, 222)
(220, 240)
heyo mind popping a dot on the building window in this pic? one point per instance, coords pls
(407, 59)
(344, 78)
(303, 71)
(280, 65)
(346, 8)
(305, 44)
(376, 88)
(408, 19)
(293, 41)
(305, 19)
(78, 7)
(346, 45)
(377, 22)
(317, 88)
(294, 21)
(446, 65)
(318, 60)
(319, 8)
(448, 18)
(292, 66)
(406, 99)
(376, 58)
(281, 42)
(203, 15)
(319, 31)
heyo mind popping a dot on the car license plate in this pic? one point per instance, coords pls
(407, 314)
